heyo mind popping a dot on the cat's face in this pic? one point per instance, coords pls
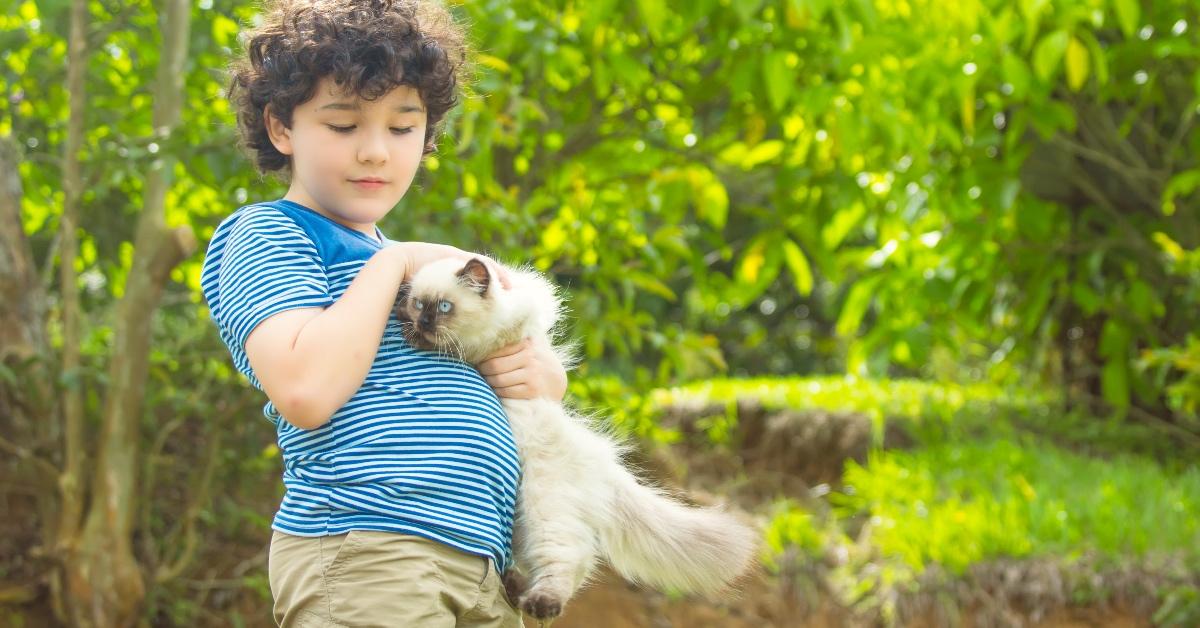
(446, 306)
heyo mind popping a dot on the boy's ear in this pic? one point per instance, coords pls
(280, 135)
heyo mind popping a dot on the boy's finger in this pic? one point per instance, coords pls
(508, 350)
(502, 274)
(505, 380)
(502, 364)
(520, 391)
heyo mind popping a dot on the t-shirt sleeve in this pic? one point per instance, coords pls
(269, 265)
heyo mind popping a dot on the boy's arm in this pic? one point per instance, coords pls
(310, 361)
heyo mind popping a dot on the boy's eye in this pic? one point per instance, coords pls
(340, 129)
(445, 306)
(402, 130)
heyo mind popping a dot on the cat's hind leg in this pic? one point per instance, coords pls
(558, 558)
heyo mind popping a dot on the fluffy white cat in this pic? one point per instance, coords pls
(577, 502)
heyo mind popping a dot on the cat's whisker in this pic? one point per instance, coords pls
(452, 343)
(440, 343)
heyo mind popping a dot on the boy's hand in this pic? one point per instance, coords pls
(421, 253)
(525, 370)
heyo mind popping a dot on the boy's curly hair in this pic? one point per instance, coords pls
(368, 47)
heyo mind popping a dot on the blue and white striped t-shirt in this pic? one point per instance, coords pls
(423, 447)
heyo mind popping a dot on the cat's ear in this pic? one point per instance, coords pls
(475, 276)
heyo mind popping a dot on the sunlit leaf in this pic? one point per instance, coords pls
(797, 264)
(1049, 53)
(1128, 15)
(1077, 64)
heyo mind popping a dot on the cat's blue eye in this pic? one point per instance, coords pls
(417, 303)
(445, 306)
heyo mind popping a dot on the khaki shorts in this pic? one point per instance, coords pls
(383, 579)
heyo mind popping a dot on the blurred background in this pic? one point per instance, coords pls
(913, 283)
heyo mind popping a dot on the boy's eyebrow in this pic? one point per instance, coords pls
(350, 106)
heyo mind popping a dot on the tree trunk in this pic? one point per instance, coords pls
(103, 581)
(22, 303)
(26, 403)
(65, 534)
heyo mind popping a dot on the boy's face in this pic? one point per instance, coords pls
(352, 160)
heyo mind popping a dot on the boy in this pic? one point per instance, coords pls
(400, 467)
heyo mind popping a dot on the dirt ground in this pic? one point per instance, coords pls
(611, 603)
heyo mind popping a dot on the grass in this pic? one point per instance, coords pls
(979, 486)
(955, 504)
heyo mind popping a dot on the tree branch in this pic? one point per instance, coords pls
(41, 464)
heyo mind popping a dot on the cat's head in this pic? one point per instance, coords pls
(447, 306)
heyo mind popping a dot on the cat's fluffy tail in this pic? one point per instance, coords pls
(658, 541)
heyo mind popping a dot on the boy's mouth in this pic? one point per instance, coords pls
(370, 183)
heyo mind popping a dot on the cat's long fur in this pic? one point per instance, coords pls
(578, 503)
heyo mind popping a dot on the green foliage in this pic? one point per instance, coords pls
(970, 192)
(979, 491)
(959, 504)
(750, 187)
(1181, 607)
(1177, 368)
(791, 527)
(925, 408)
(617, 404)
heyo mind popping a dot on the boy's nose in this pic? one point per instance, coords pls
(373, 148)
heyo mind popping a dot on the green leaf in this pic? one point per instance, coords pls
(778, 78)
(1181, 184)
(1169, 246)
(839, 227)
(1077, 64)
(1016, 72)
(1049, 53)
(1114, 339)
(709, 195)
(651, 284)
(855, 306)
(798, 265)
(763, 152)
(654, 14)
(1114, 382)
(1144, 302)
(1032, 10)
(1128, 15)
(224, 30)
(752, 261)
(1098, 58)
(1086, 298)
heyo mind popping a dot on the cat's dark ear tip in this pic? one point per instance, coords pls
(476, 275)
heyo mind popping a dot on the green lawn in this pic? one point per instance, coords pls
(978, 486)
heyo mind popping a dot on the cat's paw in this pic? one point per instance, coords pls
(542, 605)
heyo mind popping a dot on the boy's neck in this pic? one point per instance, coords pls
(299, 198)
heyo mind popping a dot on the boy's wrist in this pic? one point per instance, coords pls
(399, 256)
